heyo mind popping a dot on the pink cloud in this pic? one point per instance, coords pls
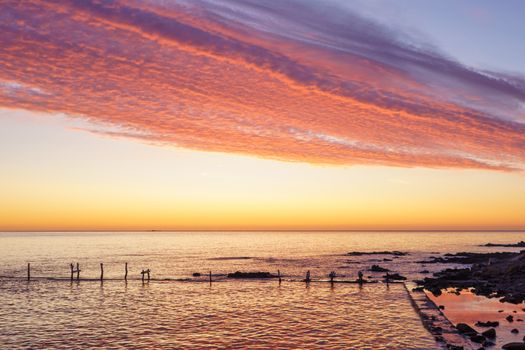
(264, 78)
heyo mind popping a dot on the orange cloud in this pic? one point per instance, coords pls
(225, 77)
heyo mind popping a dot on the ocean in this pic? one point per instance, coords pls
(179, 311)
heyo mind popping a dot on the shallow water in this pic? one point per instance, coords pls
(234, 315)
(470, 308)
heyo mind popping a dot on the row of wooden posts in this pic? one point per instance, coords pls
(76, 270)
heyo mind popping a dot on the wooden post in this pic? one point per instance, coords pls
(210, 276)
(28, 272)
(279, 275)
(307, 279)
(143, 272)
(78, 272)
(126, 274)
(332, 276)
(71, 267)
(101, 272)
(148, 271)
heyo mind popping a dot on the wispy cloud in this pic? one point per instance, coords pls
(290, 80)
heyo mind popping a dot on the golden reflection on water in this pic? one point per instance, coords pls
(233, 315)
(470, 308)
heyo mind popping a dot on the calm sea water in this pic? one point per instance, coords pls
(227, 314)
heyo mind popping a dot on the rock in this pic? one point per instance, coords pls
(514, 346)
(513, 298)
(515, 245)
(454, 347)
(515, 331)
(510, 318)
(386, 259)
(395, 277)
(442, 307)
(489, 333)
(377, 268)
(478, 338)
(424, 271)
(395, 253)
(240, 274)
(197, 274)
(488, 344)
(466, 329)
(487, 324)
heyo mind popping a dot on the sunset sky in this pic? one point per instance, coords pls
(262, 114)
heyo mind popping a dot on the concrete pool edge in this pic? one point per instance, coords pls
(434, 320)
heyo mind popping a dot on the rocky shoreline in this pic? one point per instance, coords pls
(498, 275)
(494, 275)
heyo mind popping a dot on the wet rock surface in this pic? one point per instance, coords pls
(500, 275)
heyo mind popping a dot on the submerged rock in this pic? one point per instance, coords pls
(515, 245)
(377, 268)
(514, 346)
(394, 277)
(515, 331)
(487, 324)
(240, 274)
(394, 252)
(510, 318)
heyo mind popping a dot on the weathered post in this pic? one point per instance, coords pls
(279, 275)
(126, 274)
(28, 272)
(307, 279)
(143, 272)
(101, 272)
(148, 271)
(78, 272)
(360, 277)
(210, 276)
(71, 268)
(332, 276)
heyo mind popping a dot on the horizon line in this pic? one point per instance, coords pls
(264, 230)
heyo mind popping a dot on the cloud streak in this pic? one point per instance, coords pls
(285, 80)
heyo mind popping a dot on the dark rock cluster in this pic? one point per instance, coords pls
(500, 275)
